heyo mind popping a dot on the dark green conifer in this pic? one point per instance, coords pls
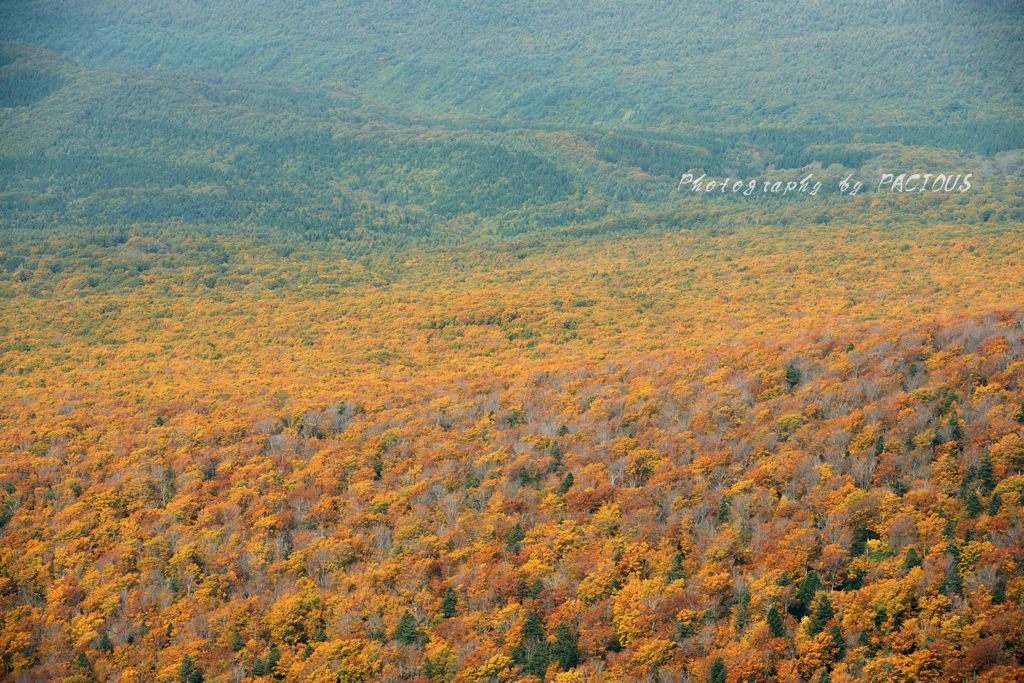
(187, 672)
(957, 432)
(775, 623)
(273, 657)
(999, 590)
(514, 537)
(170, 484)
(539, 659)
(854, 581)
(838, 642)
(805, 595)
(533, 629)
(986, 474)
(864, 639)
(741, 612)
(913, 559)
(450, 603)
(408, 630)
(724, 507)
(823, 612)
(793, 375)
(972, 504)
(718, 673)
(564, 651)
(949, 529)
(683, 631)
(82, 662)
(953, 583)
(556, 457)
(676, 572)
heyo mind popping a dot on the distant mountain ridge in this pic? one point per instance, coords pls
(586, 62)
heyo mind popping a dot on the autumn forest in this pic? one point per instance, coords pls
(326, 357)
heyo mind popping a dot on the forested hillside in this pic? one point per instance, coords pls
(758, 455)
(651, 63)
(90, 152)
(474, 342)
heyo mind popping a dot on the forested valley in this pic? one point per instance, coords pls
(351, 342)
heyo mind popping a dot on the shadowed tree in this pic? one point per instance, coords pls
(450, 603)
(408, 631)
(718, 672)
(823, 612)
(775, 623)
(187, 672)
(564, 651)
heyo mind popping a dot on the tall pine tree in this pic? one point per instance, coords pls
(564, 651)
(775, 623)
(450, 603)
(823, 612)
(408, 630)
(718, 672)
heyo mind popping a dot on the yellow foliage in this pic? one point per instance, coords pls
(633, 610)
(742, 486)
(339, 648)
(923, 395)
(287, 618)
(85, 627)
(970, 554)
(594, 587)
(938, 360)
(653, 654)
(787, 424)
(606, 520)
(569, 677)
(497, 668)
(408, 488)
(947, 473)
(1011, 449)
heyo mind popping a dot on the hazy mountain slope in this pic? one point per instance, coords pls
(88, 151)
(651, 63)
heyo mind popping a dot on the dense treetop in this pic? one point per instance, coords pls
(384, 341)
(599, 458)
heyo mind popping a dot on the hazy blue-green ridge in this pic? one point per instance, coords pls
(586, 62)
(376, 127)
